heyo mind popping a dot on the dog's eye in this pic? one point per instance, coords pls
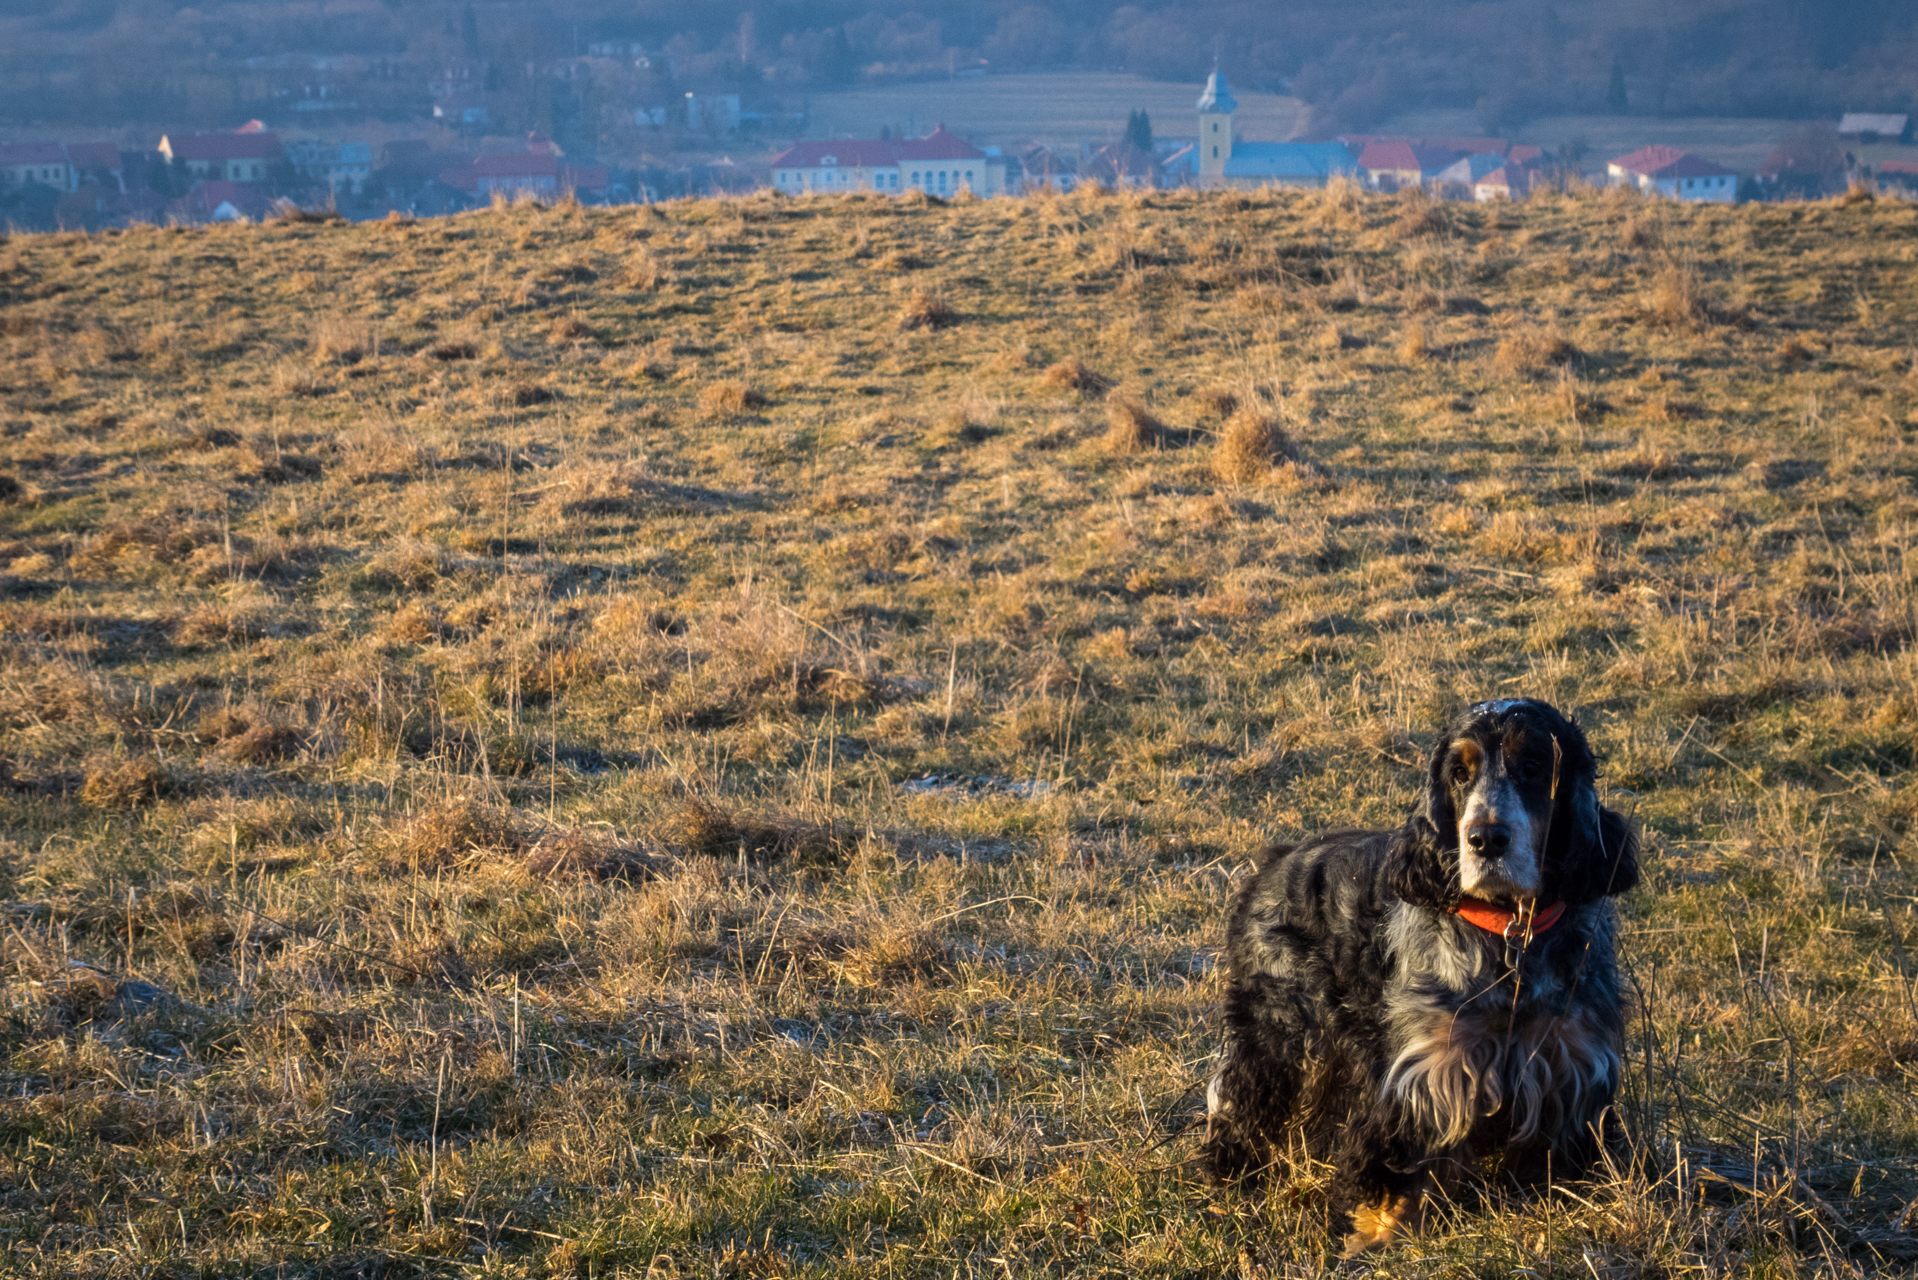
(1461, 773)
(1531, 770)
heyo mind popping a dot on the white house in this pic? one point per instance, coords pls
(939, 164)
(341, 166)
(1674, 174)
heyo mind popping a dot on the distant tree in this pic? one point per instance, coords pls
(1615, 93)
(469, 31)
(831, 59)
(1138, 130)
(157, 176)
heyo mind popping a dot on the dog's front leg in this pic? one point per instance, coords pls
(1373, 1189)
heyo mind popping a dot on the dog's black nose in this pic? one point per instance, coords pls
(1492, 839)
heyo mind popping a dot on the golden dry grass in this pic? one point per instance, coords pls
(600, 749)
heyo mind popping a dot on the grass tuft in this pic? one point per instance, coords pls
(1130, 428)
(1252, 442)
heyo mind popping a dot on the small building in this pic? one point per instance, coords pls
(337, 166)
(1868, 127)
(940, 163)
(99, 161)
(1392, 164)
(222, 200)
(539, 171)
(229, 157)
(1463, 174)
(1674, 174)
(462, 111)
(45, 163)
(1507, 182)
(1902, 174)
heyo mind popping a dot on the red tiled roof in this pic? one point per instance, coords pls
(32, 153)
(1388, 153)
(939, 145)
(1669, 162)
(1524, 154)
(844, 151)
(523, 164)
(1402, 154)
(94, 155)
(870, 153)
(1899, 166)
(224, 146)
(1509, 176)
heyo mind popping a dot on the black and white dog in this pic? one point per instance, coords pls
(1419, 1002)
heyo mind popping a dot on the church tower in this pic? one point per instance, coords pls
(1216, 106)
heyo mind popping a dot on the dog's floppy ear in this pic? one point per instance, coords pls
(1593, 851)
(1421, 867)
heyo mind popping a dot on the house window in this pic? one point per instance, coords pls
(968, 175)
(1215, 153)
(942, 179)
(1215, 126)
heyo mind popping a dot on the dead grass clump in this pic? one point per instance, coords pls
(893, 951)
(702, 829)
(450, 350)
(407, 566)
(1642, 231)
(1677, 298)
(127, 783)
(1419, 216)
(1516, 535)
(1131, 428)
(728, 400)
(524, 395)
(1072, 374)
(415, 622)
(289, 379)
(1859, 192)
(340, 340)
(897, 261)
(925, 310)
(1251, 444)
(568, 329)
(1414, 345)
(1794, 351)
(642, 273)
(452, 832)
(1219, 402)
(594, 854)
(1524, 353)
(1333, 338)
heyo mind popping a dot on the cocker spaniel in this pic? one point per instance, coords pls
(1421, 1002)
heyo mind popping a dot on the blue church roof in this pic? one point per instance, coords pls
(1289, 160)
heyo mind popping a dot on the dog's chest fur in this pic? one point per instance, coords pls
(1470, 1042)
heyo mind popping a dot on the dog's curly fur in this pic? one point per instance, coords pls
(1402, 1043)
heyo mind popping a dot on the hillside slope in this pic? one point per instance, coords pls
(619, 739)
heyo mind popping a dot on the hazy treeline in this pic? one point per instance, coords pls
(105, 62)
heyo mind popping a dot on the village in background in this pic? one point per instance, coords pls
(630, 130)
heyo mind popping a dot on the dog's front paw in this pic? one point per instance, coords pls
(1374, 1226)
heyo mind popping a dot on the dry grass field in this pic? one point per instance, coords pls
(712, 739)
